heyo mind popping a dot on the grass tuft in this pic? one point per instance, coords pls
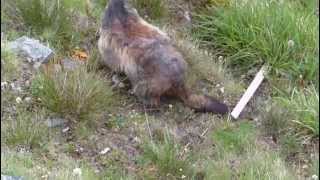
(26, 129)
(76, 94)
(235, 138)
(256, 32)
(153, 9)
(303, 106)
(165, 156)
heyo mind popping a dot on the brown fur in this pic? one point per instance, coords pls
(145, 54)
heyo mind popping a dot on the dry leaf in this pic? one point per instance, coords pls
(80, 55)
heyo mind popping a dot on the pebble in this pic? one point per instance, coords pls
(65, 129)
(222, 90)
(27, 99)
(55, 122)
(18, 100)
(105, 151)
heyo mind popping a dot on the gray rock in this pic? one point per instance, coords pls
(34, 51)
(55, 122)
(5, 177)
(69, 64)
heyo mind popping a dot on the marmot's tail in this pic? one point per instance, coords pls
(201, 103)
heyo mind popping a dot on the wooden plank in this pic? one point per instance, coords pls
(249, 93)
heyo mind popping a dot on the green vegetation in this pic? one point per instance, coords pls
(166, 156)
(9, 64)
(303, 106)
(26, 129)
(235, 139)
(250, 34)
(154, 9)
(77, 94)
(108, 137)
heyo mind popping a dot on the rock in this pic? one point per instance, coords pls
(105, 151)
(69, 64)
(5, 177)
(55, 122)
(32, 49)
(65, 129)
(27, 99)
(18, 100)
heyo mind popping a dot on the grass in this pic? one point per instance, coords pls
(27, 129)
(238, 154)
(153, 9)
(9, 64)
(256, 165)
(235, 139)
(28, 166)
(206, 66)
(167, 159)
(76, 94)
(50, 20)
(303, 106)
(250, 34)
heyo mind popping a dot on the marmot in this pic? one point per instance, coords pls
(155, 68)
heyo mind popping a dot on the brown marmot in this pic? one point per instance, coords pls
(145, 54)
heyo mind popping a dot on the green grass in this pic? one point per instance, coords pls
(254, 165)
(257, 32)
(49, 19)
(27, 129)
(9, 64)
(154, 9)
(236, 138)
(166, 157)
(76, 94)
(303, 106)
(29, 167)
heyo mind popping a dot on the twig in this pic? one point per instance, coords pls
(149, 130)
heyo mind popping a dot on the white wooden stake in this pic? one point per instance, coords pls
(249, 93)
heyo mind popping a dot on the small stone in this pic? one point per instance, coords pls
(105, 151)
(5, 177)
(65, 129)
(218, 85)
(27, 99)
(304, 166)
(220, 58)
(76, 172)
(170, 106)
(183, 176)
(121, 85)
(222, 90)
(180, 169)
(55, 122)
(136, 139)
(18, 100)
